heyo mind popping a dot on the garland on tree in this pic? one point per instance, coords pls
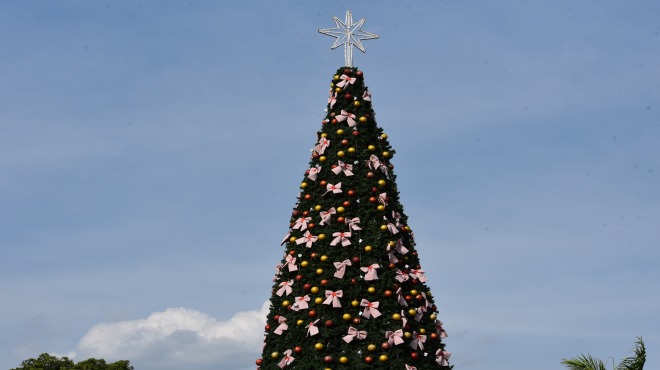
(350, 292)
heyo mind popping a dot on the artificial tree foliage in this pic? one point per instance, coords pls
(349, 235)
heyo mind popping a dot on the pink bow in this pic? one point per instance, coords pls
(421, 310)
(312, 330)
(401, 276)
(341, 237)
(290, 261)
(286, 238)
(313, 173)
(426, 300)
(301, 223)
(396, 216)
(285, 287)
(341, 268)
(418, 274)
(345, 80)
(301, 303)
(282, 327)
(326, 217)
(408, 367)
(441, 357)
(441, 331)
(402, 301)
(370, 272)
(418, 341)
(370, 309)
(382, 198)
(322, 145)
(392, 257)
(287, 360)
(308, 239)
(373, 163)
(366, 95)
(394, 338)
(400, 248)
(352, 223)
(333, 298)
(390, 226)
(333, 188)
(404, 320)
(344, 115)
(341, 166)
(332, 99)
(354, 334)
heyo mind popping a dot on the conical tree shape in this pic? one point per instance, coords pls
(349, 292)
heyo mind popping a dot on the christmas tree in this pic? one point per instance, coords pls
(350, 292)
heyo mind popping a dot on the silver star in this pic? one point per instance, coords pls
(348, 34)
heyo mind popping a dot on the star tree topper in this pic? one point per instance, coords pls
(348, 34)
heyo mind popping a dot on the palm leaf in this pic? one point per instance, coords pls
(635, 362)
(584, 362)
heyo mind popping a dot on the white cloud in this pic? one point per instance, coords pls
(179, 338)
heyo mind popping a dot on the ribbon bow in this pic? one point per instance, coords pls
(308, 239)
(291, 262)
(366, 95)
(354, 334)
(391, 227)
(396, 216)
(322, 145)
(374, 163)
(301, 223)
(282, 327)
(401, 276)
(326, 216)
(285, 287)
(418, 274)
(341, 268)
(286, 238)
(400, 248)
(287, 360)
(390, 254)
(441, 357)
(333, 298)
(332, 99)
(370, 309)
(344, 115)
(333, 188)
(341, 237)
(370, 272)
(345, 80)
(313, 173)
(382, 198)
(341, 166)
(301, 303)
(312, 330)
(402, 301)
(418, 341)
(420, 313)
(404, 320)
(408, 367)
(441, 331)
(352, 223)
(394, 338)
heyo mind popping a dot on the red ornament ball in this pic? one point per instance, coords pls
(356, 133)
(434, 336)
(259, 362)
(388, 293)
(307, 287)
(359, 73)
(356, 321)
(414, 355)
(324, 282)
(385, 345)
(298, 277)
(369, 360)
(297, 349)
(355, 259)
(267, 327)
(328, 359)
(348, 96)
(311, 313)
(351, 193)
(329, 323)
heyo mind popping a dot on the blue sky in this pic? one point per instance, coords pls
(150, 154)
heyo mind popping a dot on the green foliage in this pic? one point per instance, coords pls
(587, 362)
(371, 195)
(49, 362)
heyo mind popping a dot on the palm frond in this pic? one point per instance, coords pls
(584, 362)
(635, 362)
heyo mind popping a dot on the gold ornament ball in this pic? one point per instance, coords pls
(368, 248)
(292, 239)
(346, 316)
(321, 237)
(383, 136)
(274, 355)
(383, 227)
(303, 185)
(351, 150)
(341, 154)
(383, 358)
(362, 119)
(324, 135)
(300, 322)
(335, 77)
(407, 335)
(356, 103)
(323, 257)
(380, 207)
(372, 347)
(422, 331)
(343, 360)
(318, 207)
(318, 346)
(323, 158)
(285, 303)
(340, 132)
(371, 289)
(304, 264)
(319, 271)
(386, 154)
(428, 293)
(355, 303)
(396, 317)
(433, 316)
(381, 182)
(338, 90)
(371, 148)
(318, 300)
(314, 289)
(412, 312)
(340, 209)
(413, 292)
